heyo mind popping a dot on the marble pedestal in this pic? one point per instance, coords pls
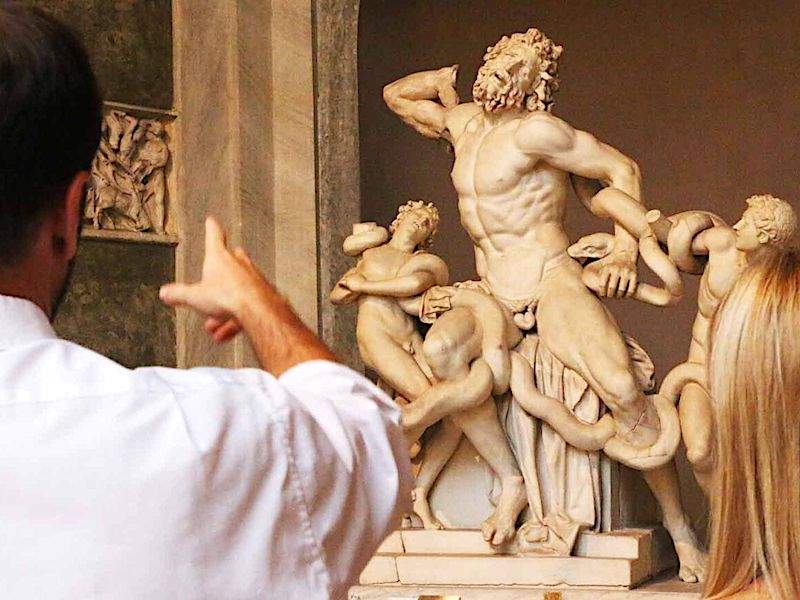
(416, 557)
(667, 587)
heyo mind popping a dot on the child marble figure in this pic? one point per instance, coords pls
(388, 282)
(767, 221)
(386, 275)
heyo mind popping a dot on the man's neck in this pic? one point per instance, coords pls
(17, 282)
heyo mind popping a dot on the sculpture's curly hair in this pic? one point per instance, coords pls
(413, 206)
(773, 216)
(548, 53)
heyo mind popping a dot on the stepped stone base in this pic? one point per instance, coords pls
(417, 557)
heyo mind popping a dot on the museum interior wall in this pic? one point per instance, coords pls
(681, 87)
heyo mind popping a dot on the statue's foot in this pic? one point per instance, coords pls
(421, 508)
(533, 531)
(500, 527)
(691, 556)
(692, 560)
(630, 453)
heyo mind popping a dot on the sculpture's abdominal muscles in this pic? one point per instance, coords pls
(515, 221)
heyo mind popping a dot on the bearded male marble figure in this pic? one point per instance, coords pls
(514, 165)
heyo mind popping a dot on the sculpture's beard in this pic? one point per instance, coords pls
(495, 97)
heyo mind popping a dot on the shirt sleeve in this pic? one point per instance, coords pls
(352, 458)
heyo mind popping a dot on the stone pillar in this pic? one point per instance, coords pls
(338, 179)
(244, 150)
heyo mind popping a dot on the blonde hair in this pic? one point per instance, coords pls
(773, 216)
(755, 386)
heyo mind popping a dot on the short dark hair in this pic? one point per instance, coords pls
(50, 116)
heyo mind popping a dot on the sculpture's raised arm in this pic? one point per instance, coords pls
(422, 99)
(429, 103)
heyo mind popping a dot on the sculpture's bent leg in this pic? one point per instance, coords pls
(482, 427)
(664, 484)
(453, 349)
(438, 450)
(580, 332)
(697, 425)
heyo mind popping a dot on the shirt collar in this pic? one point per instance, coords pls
(22, 322)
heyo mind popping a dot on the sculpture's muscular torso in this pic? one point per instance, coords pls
(512, 208)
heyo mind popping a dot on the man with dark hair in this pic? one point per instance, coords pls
(160, 483)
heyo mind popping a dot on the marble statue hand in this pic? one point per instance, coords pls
(600, 245)
(617, 275)
(448, 95)
(353, 282)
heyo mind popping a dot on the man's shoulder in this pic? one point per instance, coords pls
(201, 379)
(76, 370)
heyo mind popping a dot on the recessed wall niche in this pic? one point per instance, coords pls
(110, 305)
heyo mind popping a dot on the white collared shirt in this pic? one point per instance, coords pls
(182, 484)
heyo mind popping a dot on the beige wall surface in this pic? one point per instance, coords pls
(704, 96)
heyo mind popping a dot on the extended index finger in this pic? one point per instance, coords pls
(215, 235)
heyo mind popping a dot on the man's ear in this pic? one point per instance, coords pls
(71, 214)
(763, 236)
